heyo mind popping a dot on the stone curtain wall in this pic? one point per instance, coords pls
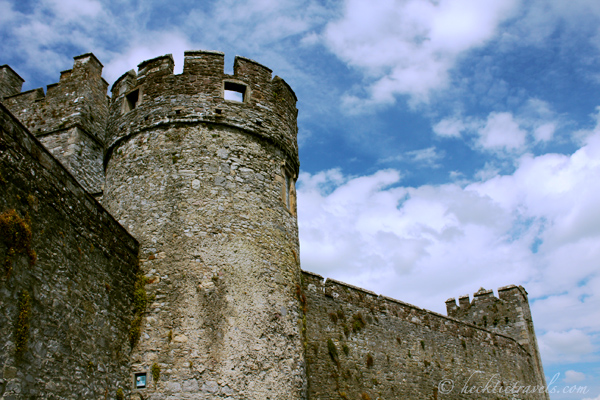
(70, 119)
(204, 184)
(363, 346)
(65, 315)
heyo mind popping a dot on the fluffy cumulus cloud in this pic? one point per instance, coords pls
(501, 132)
(449, 127)
(539, 226)
(506, 134)
(416, 47)
(409, 46)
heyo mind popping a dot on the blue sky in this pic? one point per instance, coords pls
(445, 145)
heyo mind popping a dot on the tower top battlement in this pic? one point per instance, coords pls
(250, 99)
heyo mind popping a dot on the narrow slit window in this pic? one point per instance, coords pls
(234, 91)
(288, 190)
(131, 100)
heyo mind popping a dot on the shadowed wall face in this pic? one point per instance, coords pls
(66, 291)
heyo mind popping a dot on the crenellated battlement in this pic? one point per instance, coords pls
(250, 99)
(476, 311)
(509, 314)
(69, 119)
(77, 99)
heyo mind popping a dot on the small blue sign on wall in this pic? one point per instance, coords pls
(140, 380)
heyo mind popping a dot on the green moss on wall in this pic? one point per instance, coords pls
(333, 353)
(155, 372)
(15, 234)
(140, 302)
(22, 323)
(358, 322)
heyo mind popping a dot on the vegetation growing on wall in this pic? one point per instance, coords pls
(155, 373)
(358, 322)
(140, 302)
(22, 323)
(15, 234)
(346, 349)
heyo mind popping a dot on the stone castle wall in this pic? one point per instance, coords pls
(360, 345)
(70, 119)
(66, 280)
(206, 185)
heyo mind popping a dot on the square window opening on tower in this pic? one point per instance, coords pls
(131, 100)
(234, 91)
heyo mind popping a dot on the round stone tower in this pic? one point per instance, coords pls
(200, 169)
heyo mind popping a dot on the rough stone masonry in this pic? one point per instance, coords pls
(163, 224)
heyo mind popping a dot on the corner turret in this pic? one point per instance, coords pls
(509, 314)
(69, 119)
(10, 82)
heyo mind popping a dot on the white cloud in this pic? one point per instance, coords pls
(539, 226)
(501, 133)
(122, 35)
(408, 47)
(505, 134)
(449, 127)
(236, 20)
(428, 157)
(574, 376)
(541, 18)
(147, 47)
(413, 241)
(411, 47)
(71, 9)
(6, 12)
(544, 133)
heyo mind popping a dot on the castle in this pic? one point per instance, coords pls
(149, 250)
